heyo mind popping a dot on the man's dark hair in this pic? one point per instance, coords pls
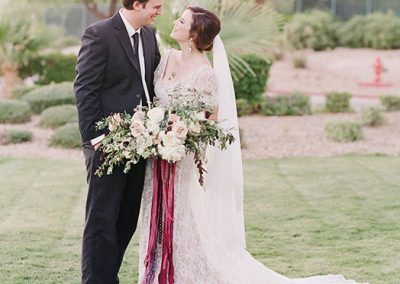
(128, 4)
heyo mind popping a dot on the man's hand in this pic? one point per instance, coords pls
(96, 146)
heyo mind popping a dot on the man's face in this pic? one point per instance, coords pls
(150, 11)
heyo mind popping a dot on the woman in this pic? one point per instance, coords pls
(208, 228)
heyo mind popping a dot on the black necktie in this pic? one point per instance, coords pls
(136, 44)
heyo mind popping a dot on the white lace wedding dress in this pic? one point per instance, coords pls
(198, 255)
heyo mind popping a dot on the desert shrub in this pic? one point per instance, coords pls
(373, 116)
(65, 41)
(376, 30)
(294, 104)
(12, 111)
(315, 30)
(243, 107)
(51, 68)
(390, 103)
(51, 95)
(251, 86)
(338, 102)
(20, 91)
(66, 136)
(15, 137)
(299, 61)
(343, 131)
(57, 116)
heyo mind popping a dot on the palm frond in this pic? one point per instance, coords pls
(247, 28)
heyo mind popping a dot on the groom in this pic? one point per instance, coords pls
(115, 68)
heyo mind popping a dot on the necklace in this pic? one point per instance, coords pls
(172, 76)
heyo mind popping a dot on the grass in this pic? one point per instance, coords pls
(304, 216)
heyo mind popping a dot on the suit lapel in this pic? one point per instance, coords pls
(124, 40)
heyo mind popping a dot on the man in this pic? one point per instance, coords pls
(115, 68)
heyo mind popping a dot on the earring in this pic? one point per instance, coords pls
(190, 47)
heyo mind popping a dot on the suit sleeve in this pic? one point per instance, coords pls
(158, 55)
(90, 68)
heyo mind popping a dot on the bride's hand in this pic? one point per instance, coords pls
(214, 114)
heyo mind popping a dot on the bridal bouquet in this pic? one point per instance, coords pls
(167, 133)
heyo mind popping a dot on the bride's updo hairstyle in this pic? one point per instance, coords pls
(205, 27)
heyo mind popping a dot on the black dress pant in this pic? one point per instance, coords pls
(112, 211)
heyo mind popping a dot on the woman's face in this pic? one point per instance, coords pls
(182, 27)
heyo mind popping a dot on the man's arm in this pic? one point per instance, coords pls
(90, 68)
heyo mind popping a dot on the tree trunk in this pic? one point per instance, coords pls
(10, 80)
(92, 7)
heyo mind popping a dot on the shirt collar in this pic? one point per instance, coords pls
(128, 26)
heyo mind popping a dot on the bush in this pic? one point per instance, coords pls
(373, 116)
(15, 136)
(376, 30)
(51, 95)
(66, 136)
(391, 103)
(58, 116)
(51, 68)
(343, 131)
(243, 107)
(294, 104)
(338, 102)
(251, 87)
(299, 62)
(315, 30)
(20, 91)
(14, 111)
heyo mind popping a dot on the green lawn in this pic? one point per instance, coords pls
(304, 216)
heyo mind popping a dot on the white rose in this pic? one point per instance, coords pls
(136, 128)
(172, 153)
(153, 127)
(156, 114)
(169, 139)
(195, 127)
(201, 115)
(138, 115)
(173, 118)
(180, 129)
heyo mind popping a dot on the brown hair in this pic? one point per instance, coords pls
(205, 27)
(128, 4)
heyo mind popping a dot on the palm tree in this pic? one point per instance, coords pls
(247, 27)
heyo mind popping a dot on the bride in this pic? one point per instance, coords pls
(208, 227)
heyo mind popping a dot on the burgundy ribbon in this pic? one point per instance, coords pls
(162, 206)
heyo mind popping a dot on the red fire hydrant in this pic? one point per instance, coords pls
(378, 69)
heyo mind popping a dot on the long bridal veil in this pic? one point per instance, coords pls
(218, 207)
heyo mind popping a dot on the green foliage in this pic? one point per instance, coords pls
(239, 38)
(21, 91)
(65, 41)
(22, 33)
(15, 137)
(338, 102)
(57, 116)
(12, 111)
(343, 131)
(251, 86)
(51, 68)
(373, 116)
(315, 30)
(377, 30)
(391, 103)
(66, 136)
(243, 107)
(294, 104)
(51, 95)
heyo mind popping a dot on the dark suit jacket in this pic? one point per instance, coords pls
(108, 79)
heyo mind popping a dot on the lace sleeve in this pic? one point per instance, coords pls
(206, 83)
(158, 73)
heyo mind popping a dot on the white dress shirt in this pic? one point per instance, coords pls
(131, 31)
